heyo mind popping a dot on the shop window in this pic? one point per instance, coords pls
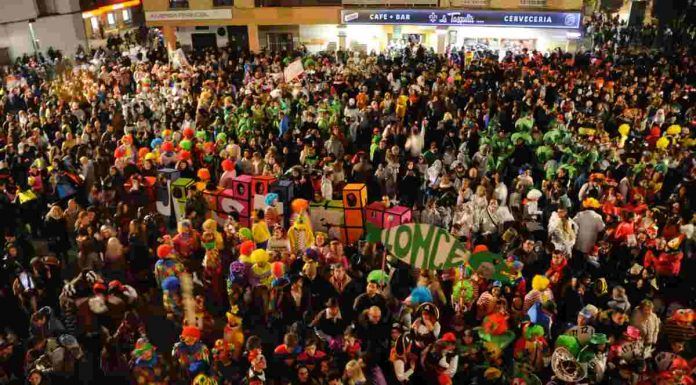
(178, 3)
(111, 19)
(223, 3)
(126, 15)
(533, 3)
(94, 21)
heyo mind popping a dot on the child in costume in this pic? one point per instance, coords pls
(532, 347)
(261, 269)
(540, 292)
(233, 335)
(245, 250)
(167, 265)
(210, 225)
(148, 367)
(189, 350)
(171, 298)
(260, 231)
(203, 320)
(212, 269)
(300, 234)
(187, 241)
(228, 174)
(256, 374)
(271, 213)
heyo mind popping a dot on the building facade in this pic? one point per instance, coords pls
(366, 24)
(102, 18)
(32, 26)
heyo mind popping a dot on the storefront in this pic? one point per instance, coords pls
(371, 29)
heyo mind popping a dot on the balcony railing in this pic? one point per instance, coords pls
(296, 3)
(533, 3)
(469, 3)
(390, 3)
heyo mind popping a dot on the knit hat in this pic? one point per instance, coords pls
(246, 248)
(191, 331)
(449, 338)
(142, 346)
(246, 233)
(163, 251)
(227, 165)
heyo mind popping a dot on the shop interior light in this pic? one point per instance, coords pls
(573, 35)
(109, 8)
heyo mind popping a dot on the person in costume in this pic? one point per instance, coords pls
(300, 234)
(212, 268)
(203, 320)
(260, 273)
(147, 366)
(189, 350)
(228, 174)
(440, 361)
(278, 243)
(540, 292)
(233, 335)
(532, 347)
(487, 302)
(172, 299)
(667, 263)
(257, 370)
(271, 213)
(167, 265)
(186, 242)
(260, 230)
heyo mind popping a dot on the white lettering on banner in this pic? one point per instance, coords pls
(207, 14)
(468, 19)
(527, 19)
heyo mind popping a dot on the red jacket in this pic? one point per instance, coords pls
(668, 264)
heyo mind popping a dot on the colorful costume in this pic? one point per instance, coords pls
(167, 265)
(148, 367)
(190, 350)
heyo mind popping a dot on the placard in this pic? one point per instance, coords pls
(293, 70)
(421, 245)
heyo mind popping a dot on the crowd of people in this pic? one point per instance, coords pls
(572, 172)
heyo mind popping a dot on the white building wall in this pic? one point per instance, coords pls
(62, 32)
(16, 10)
(317, 37)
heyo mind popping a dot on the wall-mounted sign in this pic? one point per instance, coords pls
(186, 14)
(451, 17)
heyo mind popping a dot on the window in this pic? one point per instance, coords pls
(95, 24)
(126, 16)
(223, 3)
(110, 19)
(178, 3)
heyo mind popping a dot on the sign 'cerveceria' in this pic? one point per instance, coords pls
(421, 245)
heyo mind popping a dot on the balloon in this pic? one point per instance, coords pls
(624, 129)
(662, 143)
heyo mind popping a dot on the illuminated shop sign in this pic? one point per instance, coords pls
(450, 17)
